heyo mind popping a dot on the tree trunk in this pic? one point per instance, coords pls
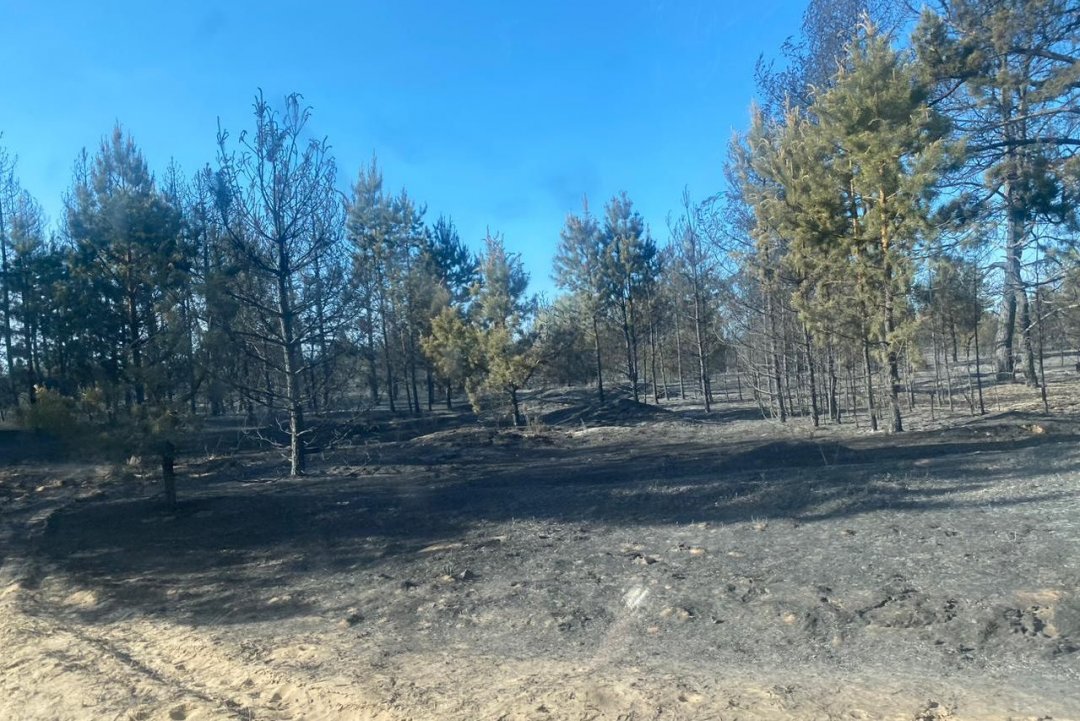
(970, 380)
(937, 357)
(702, 351)
(1042, 335)
(978, 371)
(785, 357)
(652, 356)
(853, 397)
(631, 350)
(391, 388)
(889, 341)
(634, 344)
(738, 377)
(133, 339)
(413, 378)
(373, 370)
(312, 382)
(320, 319)
(599, 363)
(663, 368)
(813, 387)
(408, 390)
(870, 405)
(678, 352)
(296, 421)
(33, 362)
(1026, 330)
(517, 407)
(1013, 285)
(291, 359)
(774, 355)
(192, 366)
(953, 338)
(834, 400)
(910, 374)
(948, 377)
(268, 382)
(168, 473)
(5, 298)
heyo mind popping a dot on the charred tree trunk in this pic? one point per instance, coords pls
(516, 403)
(5, 299)
(702, 350)
(834, 400)
(168, 473)
(599, 361)
(678, 353)
(1026, 330)
(814, 414)
(776, 388)
(652, 356)
(889, 340)
(391, 388)
(870, 405)
(135, 352)
(631, 349)
(1004, 340)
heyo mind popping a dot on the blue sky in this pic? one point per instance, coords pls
(500, 114)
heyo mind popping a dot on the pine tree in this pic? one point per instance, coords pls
(128, 247)
(852, 186)
(507, 343)
(629, 266)
(33, 271)
(456, 266)
(1007, 76)
(581, 271)
(389, 243)
(273, 191)
(493, 348)
(452, 346)
(694, 262)
(9, 193)
(450, 271)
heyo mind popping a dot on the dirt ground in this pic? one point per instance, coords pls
(630, 563)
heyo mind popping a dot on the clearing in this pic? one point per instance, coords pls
(631, 563)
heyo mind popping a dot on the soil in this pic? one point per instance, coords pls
(630, 562)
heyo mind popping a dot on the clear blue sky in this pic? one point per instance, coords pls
(501, 114)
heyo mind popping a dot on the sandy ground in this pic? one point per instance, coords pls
(626, 564)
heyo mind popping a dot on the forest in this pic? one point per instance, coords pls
(899, 202)
(364, 419)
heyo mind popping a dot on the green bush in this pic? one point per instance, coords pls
(52, 413)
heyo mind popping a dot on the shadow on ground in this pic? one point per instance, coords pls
(234, 542)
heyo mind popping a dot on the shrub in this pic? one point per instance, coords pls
(52, 413)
